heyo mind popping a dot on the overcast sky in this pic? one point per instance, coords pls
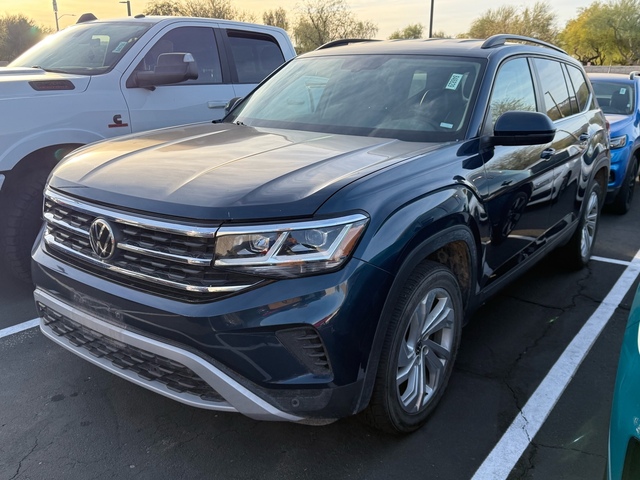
(450, 16)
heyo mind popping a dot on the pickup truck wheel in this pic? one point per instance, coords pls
(419, 350)
(577, 252)
(622, 203)
(21, 222)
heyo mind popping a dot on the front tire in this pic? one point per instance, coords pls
(21, 222)
(622, 203)
(419, 350)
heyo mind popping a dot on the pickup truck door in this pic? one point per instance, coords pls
(199, 100)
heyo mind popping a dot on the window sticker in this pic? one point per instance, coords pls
(454, 81)
(119, 48)
(446, 125)
(623, 90)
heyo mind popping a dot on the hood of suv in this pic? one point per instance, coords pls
(17, 82)
(225, 172)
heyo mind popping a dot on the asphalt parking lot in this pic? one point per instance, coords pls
(61, 417)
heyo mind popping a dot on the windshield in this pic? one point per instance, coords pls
(84, 49)
(614, 97)
(409, 97)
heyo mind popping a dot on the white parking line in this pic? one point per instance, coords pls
(610, 260)
(521, 432)
(21, 327)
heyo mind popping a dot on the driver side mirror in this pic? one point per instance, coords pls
(171, 68)
(522, 128)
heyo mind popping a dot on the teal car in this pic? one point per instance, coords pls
(624, 432)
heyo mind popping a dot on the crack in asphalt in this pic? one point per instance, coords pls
(25, 457)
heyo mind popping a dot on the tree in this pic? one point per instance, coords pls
(276, 18)
(322, 21)
(538, 22)
(199, 8)
(410, 31)
(166, 8)
(605, 33)
(17, 34)
(623, 20)
(587, 37)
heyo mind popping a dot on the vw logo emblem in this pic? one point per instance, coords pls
(102, 238)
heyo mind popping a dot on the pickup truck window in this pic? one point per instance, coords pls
(83, 49)
(199, 42)
(255, 55)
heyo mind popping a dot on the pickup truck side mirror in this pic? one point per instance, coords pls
(171, 68)
(523, 128)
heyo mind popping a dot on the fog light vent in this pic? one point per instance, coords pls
(305, 343)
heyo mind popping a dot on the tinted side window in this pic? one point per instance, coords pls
(554, 88)
(513, 89)
(199, 42)
(255, 55)
(580, 87)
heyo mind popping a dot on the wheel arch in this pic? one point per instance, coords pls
(32, 146)
(47, 157)
(456, 247)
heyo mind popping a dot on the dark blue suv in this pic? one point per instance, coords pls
(619, 97)
(316, 254)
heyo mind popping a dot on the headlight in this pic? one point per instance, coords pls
(619, 142)
(289, 250)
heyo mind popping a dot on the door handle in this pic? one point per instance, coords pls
(216, 104)
(547, 153)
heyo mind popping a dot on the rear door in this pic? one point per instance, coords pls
(252, 57)
(568, 110)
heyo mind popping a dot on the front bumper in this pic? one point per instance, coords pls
(619, 163)
(241, 353)
(232, 396)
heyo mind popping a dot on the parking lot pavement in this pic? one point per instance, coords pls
(16, 301)
(64, 418)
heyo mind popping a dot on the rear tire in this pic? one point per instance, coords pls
(577, 252)
(419, 351)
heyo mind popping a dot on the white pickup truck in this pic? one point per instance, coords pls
(101, 79)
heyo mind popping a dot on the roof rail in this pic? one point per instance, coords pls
(345, 41)
(634, 74)
(501, 39)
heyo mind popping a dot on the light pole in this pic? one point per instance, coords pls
(128, 2)
(55, 13)
(63, 15)
(431, 21)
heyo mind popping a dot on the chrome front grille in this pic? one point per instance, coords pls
(150, 253)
